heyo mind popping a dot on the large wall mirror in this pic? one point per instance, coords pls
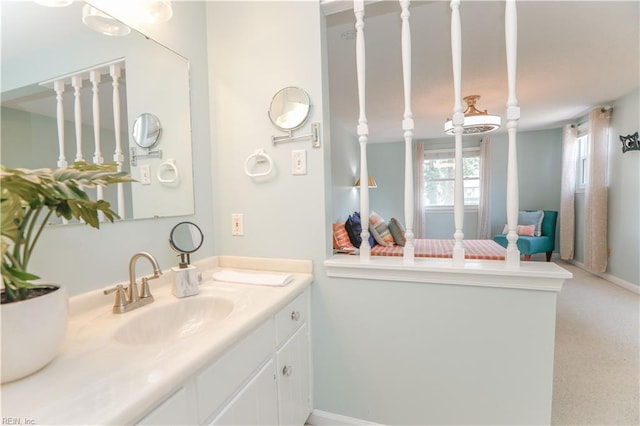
(52, 62)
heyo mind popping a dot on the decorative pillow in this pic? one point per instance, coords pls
(528, 230)
(354, 228)
(533, 217)
(397, 231)
(341, 239)
(380, 230)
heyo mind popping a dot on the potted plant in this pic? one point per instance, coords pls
(34, 315)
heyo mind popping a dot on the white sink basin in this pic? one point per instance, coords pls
(177, 320)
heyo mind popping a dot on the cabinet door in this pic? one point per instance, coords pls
(173, 411)
(255, 404)
(294, 385)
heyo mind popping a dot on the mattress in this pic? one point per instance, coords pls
(473, 249)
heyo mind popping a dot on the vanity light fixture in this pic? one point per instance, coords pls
(156, 11)
(54, 3)
(370, 180)
(475, 121)
(103, 23)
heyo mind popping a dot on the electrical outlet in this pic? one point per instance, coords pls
(237, 225)
(299, 162)
(145, 174)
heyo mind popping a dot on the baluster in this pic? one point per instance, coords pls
(94, 77)
(76, 82)
(407, 127)
(58, 86)
(513, 115)
(362, 130)
(115, 71)
(458, 121)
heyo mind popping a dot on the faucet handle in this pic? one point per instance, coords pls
(145, 292)
(121, 296)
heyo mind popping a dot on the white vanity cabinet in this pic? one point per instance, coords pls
(265, 379)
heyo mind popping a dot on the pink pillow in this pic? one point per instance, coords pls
(527, 230)
(340, 237)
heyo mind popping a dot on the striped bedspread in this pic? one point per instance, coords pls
(473, 249)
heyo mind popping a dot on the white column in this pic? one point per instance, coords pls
(94, 77)
(458, 121)
(407, 127)
(513, 115)
(58, 86)
(362, 130)
(76, 82)
(115, 71)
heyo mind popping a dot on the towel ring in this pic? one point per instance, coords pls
(169, 167)
(259, 156)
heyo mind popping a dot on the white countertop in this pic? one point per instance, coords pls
(98, 380)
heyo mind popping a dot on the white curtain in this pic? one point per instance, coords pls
(595, 241)
(484, 210)
(418, 190)
(567, 192)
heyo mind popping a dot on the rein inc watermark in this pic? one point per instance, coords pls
(18, 421)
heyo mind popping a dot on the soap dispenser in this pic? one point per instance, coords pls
(186, 278)
(185, 238)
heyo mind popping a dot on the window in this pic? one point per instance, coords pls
(439, 176)
(582, 157)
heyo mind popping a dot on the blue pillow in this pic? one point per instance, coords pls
(532, 218)
(353, 226)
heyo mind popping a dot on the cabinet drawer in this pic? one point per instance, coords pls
(216, 383)
(291, 317)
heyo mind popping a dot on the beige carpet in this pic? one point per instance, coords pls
(597, 364)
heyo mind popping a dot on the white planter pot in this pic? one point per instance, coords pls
(32, 333)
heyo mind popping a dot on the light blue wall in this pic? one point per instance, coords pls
(624, 192)
(539, 163)
(82, 258)
(284, 214)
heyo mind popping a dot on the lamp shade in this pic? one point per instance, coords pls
(370, 180)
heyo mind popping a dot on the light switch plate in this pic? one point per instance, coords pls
(237, 225)
(145, 174)
(299, 162)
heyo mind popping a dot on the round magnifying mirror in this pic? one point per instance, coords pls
(289, 108)
(146, 130)
(185, 238)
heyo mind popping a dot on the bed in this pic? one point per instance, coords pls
(388, 239)
(473, 249)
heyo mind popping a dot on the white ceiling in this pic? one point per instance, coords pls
(572, 56)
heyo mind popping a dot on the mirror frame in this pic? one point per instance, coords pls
(152, 135)
(273, 116)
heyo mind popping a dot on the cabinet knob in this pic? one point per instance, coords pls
(287, 370)
(295, 316)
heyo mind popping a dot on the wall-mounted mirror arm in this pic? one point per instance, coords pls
(314, 136)
(149, 154)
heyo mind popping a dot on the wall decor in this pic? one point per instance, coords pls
(630, 142)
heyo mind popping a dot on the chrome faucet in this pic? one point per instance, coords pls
(134, 299)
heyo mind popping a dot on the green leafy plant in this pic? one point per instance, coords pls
(30, 197)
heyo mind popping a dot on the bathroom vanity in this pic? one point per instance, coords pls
(235, 353)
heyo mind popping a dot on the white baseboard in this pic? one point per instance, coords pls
(324, 418)
(611, 278)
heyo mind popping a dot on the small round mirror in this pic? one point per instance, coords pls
(185, 238)
(289, 108)
(146, 130)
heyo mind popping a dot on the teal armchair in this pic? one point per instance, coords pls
(545, 243)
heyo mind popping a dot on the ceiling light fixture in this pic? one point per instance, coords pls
(103, 23)
(475, 121)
